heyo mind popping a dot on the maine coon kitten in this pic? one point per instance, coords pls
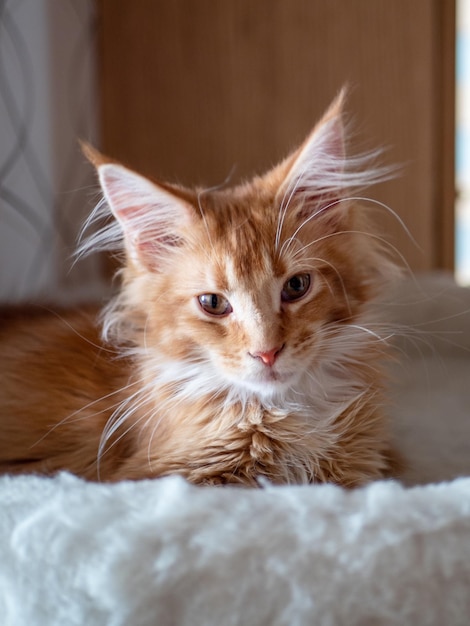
(238, 347)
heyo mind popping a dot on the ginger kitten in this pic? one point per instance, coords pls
(238, 347)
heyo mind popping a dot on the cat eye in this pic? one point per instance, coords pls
(295, 288)
(213, 304)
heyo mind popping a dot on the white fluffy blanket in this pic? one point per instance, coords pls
(165, 553)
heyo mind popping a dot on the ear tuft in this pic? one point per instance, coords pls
(93, 155)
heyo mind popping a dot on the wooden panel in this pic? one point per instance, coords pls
(445, 197)
(194, 88)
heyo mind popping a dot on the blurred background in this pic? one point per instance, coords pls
(462, 136)
(194, 90)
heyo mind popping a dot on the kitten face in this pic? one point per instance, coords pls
(247, 310)
(246, 288)
(253, 343)
(267, 342)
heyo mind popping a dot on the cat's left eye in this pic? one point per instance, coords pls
(295, 288)
(214, 304)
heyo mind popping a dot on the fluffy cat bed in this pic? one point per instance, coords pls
(164, 552)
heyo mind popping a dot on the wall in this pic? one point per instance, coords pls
(194, 90)
(47, 102)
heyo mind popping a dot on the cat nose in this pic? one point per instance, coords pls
(267, 356)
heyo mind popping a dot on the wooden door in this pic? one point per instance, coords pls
(193, 89)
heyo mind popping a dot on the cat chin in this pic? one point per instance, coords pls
(272, 389)
(264, 392)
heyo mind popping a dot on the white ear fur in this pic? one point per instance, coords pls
(319, 168)
(319, 165)
(150, 217)
(321, 174)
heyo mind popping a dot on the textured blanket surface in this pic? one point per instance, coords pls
(165, 553)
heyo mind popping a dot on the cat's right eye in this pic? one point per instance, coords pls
(295, 288)
(214, 304)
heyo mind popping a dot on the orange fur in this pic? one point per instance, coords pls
(173, 389)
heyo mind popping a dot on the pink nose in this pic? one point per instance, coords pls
(268, 357)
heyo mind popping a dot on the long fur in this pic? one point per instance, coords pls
(172, 389)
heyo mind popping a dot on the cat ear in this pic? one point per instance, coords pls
(151, 216)
(316, 173)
